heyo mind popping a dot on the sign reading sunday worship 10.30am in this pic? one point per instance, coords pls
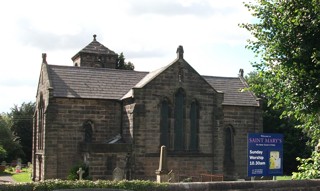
(265, 154)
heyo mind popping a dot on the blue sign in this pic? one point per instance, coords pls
(265, 154)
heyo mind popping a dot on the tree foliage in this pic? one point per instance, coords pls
(295, 140)
(286, 39)
(8, 141)
(22, 122)
(309, 167)
(3, 153)
(122, 64)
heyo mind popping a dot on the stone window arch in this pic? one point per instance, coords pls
(41, 122)
(179, 120)
(229, 144)
(88, 128)
(194, 125)
(164, 122)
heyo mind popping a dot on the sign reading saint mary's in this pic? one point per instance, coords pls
(265, 154)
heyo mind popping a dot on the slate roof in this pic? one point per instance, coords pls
(233, 89)
(95, 47)
(97, 83)
(106, 83)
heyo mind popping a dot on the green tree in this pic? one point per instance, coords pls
(3, 153)
(8, 141)
(295, 140)
(286, 39)
(122, 64)
(22, 122)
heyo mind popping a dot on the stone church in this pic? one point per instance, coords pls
(112, 119)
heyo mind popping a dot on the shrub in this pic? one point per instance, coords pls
(73, 175)
(308, 168)
(17, 187)
(49, 185)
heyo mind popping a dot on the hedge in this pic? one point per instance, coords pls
(49, 185)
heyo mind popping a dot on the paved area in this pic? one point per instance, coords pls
(6, 179)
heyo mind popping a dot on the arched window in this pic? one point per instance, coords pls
(88, 131)
(229, 144)
(164, 123)
(194, 126)
(40, 123)
(179, 110)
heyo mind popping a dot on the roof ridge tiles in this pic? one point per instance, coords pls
(94, 69)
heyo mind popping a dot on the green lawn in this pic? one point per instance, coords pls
(23, 176)
(284, 177)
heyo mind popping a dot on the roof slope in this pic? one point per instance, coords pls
(233, 90)
(106, 83)
(95, 47)
(97, 83)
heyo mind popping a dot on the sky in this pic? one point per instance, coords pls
(148, 33)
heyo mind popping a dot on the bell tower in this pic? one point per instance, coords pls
(96, 55)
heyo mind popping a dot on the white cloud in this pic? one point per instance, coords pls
(147, 31)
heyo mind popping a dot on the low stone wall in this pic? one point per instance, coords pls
(283, 185)
(92, 189)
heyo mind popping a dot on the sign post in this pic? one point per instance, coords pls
(265, 154)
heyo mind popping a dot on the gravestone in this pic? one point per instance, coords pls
(162, 172)
(118, 174)
(19, 161)
(19, 165)
(3, 163)
(80, 172)
(18, 168)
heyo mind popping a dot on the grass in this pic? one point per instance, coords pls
(23, 176)
(284, 177)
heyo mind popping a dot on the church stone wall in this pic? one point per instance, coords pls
(127, 120)
(42, 98)
(102, 165)
(93, 60)
(147, 123)
(65, 132)
(243, 120)
(284, 185)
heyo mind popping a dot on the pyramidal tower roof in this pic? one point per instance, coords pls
(95, 47)
(95, 55)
